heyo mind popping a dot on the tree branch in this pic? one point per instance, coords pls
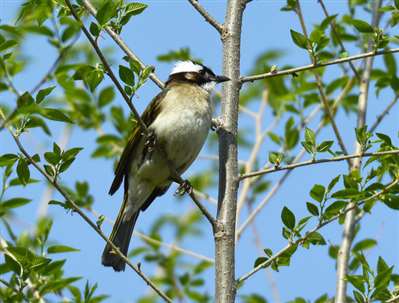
(385, 112)
(119, 41)
(76, 208)
(137, 116)
(313, 162)
(293, 71)
(228, 160)
(160, 243)
(319, 226)
(208, 18)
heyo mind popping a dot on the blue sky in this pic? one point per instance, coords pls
(168, 25)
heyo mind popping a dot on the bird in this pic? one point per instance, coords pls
(179, 118)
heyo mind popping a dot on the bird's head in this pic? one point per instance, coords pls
(193, 72)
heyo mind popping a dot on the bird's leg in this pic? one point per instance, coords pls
(184, 187)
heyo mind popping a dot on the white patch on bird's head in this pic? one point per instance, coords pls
(186, 67)
(209, 86)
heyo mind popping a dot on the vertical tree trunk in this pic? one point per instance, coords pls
(228, 168)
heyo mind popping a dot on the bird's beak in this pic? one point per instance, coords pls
(220, 79)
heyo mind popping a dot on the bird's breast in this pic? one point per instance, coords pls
(182, 128)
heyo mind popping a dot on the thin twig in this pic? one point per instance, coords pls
(395, 299)
(341, 44)
(157, 242)
(319, 226)
(173, 247)
(293, 71)
(87, 219)
(208, 18)
(313, 162)
(385, 112)
(119, 41)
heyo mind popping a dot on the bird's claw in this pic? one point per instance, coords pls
(216, 124)
(184, 187)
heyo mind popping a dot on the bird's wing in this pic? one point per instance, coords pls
(148, 116)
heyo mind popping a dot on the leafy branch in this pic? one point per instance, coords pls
(121, 43)
(313, 162)
(93, 225)
(321, 224)
(295, 70)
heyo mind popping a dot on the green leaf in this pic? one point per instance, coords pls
(357, 281)
(94, 78)
(288, 218)
(71, 153)
(346, 193)
(135, 8)
(94, 29)
(364, 245)
(55, 249)
(390, 63)
(316, 239)
(312, 209)
(333, 183)
(8, 159)
(126, 75)
(324, 146)
(335, 208)
(362, 26)
(396, 4)
(132, 9)
(382, 266)
(43, 93)
(392, 202)
(310, 137)
(106, 12)
(259, 261)
(55, 114)
(52, 158)
(23, 171)
(359, 297)
(15, 202)
(275, 158)
(317, 192)
(7, 44)
(106, 96)
(383, 278)
(299, 39)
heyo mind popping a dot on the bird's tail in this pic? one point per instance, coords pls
(120, 236)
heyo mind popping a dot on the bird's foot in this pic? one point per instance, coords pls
(184, 187)
(216, 124)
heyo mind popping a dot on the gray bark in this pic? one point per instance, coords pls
(228, 166)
